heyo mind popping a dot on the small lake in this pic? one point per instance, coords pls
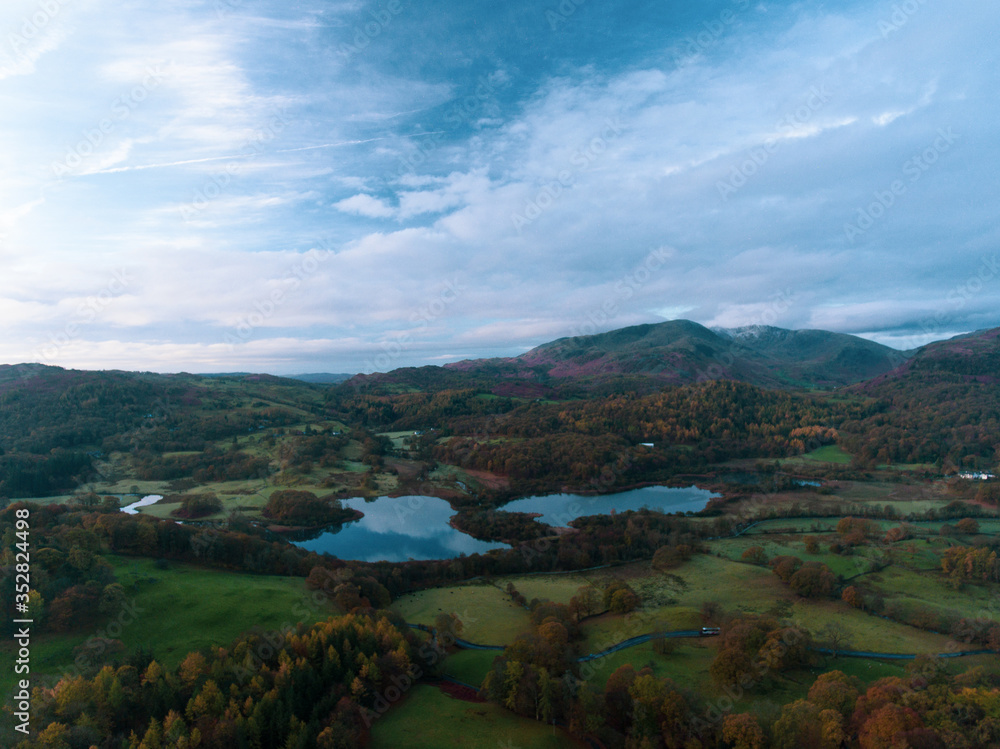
(133, 508)
(396, 529)
(559, 509)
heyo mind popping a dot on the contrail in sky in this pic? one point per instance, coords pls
(117, 169)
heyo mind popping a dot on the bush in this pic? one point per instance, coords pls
(813, 580)
(198, 505)
(755, 555)
(620, 598)
(785, 566)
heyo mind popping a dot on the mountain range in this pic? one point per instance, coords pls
(642, 356)
(673, 353)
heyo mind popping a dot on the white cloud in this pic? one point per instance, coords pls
(363, 204)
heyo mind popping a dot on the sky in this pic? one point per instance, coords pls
(348, 186)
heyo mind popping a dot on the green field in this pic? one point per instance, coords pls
(557, 588)
(470, 666)
(429, 719)
(488, 615)
(206, 606)
(180, 609)
(829, 454)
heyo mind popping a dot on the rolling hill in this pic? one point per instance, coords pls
(670, 353)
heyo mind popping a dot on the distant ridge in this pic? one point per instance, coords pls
(675, 352)
(970, 357)
(321, 378)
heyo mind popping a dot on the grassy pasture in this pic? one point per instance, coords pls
(488, 615)
(470, 666)
(180, 609)
(556, 588)
(207, 606)
(828, 454)
(933, 591)
(777, 545)
(427, 718)
(687, 666)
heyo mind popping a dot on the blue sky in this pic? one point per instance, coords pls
(253, 185)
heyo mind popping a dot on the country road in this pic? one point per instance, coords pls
(640, 639)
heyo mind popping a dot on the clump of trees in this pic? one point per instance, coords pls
(620, 598)
(807, 579)
(302, 508)
(753, 649)
(499, 525)
(971, 564)
(211, 464)
(318, 686)
(198, 505)
(754, 555)
(668, 557)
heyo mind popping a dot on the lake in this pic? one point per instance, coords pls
(395, 529)
(133, 508)
(559, 509)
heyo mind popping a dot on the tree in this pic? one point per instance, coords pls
(852, 597)
(512, 683)
(710, 612)
(198, 505)
(811, 544)
(803, 725)
(192, 668)
(785, 566)
(813, 580)
(623, 601)
(968, 526)
(742, 731)
(667, 557)
(836, 635)
(617, 696)
(754, 555)
(448, 625)
(620, 598)
(112, 599)
(585, 602)
(885, 727)
(834, 690)
(545, 703)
